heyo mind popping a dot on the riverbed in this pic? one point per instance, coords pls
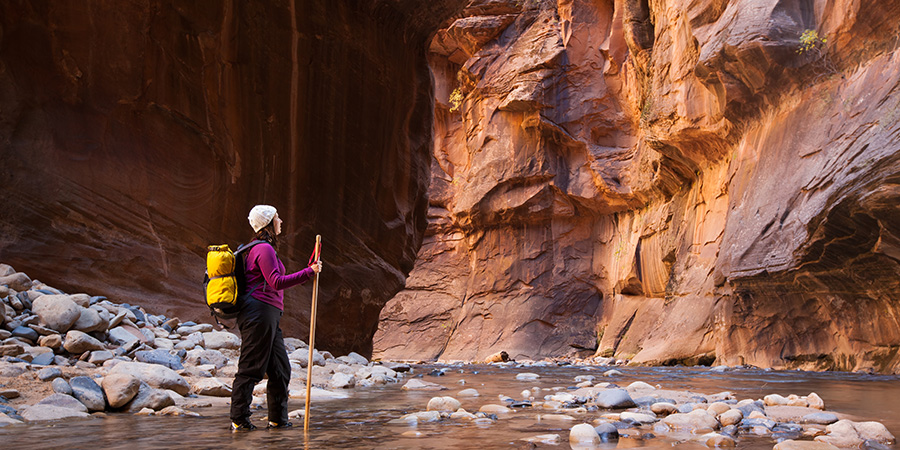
(361, 421)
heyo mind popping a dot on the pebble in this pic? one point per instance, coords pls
(548, 439)
(61, 386)
(44, 359)
(494, 409)
(468, 393)
(527, 376)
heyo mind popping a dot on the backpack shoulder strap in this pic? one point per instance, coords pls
(248, 246)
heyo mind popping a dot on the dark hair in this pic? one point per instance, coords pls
(267, 233)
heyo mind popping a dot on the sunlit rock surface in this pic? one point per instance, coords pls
(664, 182)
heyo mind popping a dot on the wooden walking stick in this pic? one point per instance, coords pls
(312, 334)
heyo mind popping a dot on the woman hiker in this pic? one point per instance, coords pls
(262, 344)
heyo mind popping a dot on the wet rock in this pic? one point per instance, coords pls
(64, 401)
(874, 445)
(61, 386)
(442, 404)
(49, 373)
(42, 413)
(718, 408)
(88, 392)
(874, 431)
(148, 397)
(775, 400)
(7, 420)
(155, 375)
(161, 357)
(120, 388)
(58, 312)
(757, 422)
(583, 434)
(791, 444)
(731, 417)
(841, 434)
(468, 393)
(527, 376)
(815, 401)
(640, 386)
(820, 418)
(494, 409)
(716, 440)
(342, 381)
(614, 399)
(607, 432)
(612, 373)
(639, 418)
(698, 421)
(216, 340)
(750, 407)
(416, 384)
(78, 342)
(547, 439)
(212, 387)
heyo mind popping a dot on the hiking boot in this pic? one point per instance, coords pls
(273, 425)
(246, 426)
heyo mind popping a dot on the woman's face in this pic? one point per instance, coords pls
(277, 222)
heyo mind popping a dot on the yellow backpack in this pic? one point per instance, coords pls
(225, 281)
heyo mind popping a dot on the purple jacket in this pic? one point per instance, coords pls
(265, 271)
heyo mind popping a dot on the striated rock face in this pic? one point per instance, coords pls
(663, 181)
(133, 135)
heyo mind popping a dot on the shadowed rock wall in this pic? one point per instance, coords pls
(134, 134)
(662, 181)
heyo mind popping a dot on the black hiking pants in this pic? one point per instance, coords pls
(262, 353)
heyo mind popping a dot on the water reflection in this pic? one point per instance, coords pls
(361, 421)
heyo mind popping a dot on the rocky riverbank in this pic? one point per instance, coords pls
(65, 356)
(600, 409)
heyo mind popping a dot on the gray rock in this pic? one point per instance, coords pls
(121, 336)
(750, 407)
(100, 356)
(58, 312)
(750, 423)
(90, 320)
(148, 397)
(161, 357)
(820, 418)
(155, 375)
(64, 401)
(26, 333)
(199, 357)
(61, 386)
(44, 359)
(89, 393)
(78, 342)
(607, 432)
(41, 413)
(120, 388)
(614, 399)
(186, 329)
(49, 373)
(302, 357)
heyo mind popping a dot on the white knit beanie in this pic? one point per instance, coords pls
(260, 216)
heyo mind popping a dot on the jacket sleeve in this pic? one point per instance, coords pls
(273, 271)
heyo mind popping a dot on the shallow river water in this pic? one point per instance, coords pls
(361, 420)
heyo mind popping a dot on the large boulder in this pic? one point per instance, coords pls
(57, 312)
(16, 281)
(78, 342)
(154, 375)
(120, 388)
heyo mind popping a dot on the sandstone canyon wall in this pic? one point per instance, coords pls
(667, 181)
(133, 134)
